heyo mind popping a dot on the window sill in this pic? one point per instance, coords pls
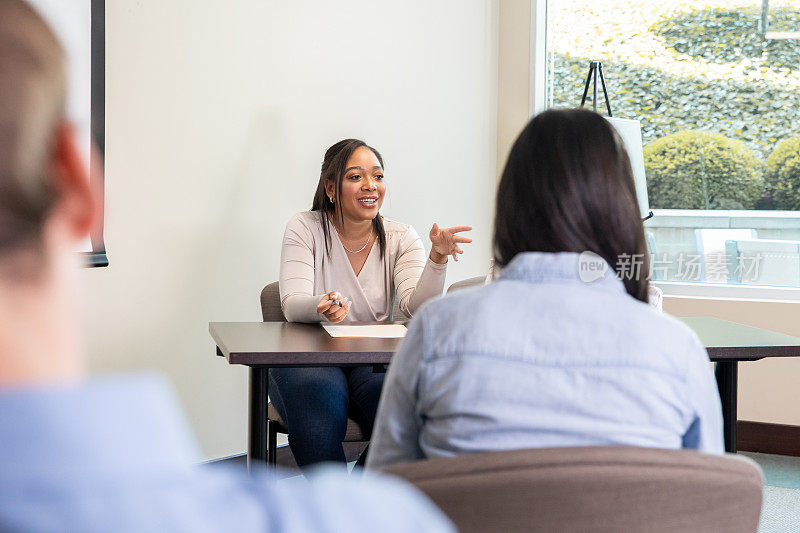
(720, 291)
(697, 218)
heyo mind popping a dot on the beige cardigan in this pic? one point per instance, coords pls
(308, 272)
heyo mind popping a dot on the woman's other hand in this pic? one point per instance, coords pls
(333, 307)
(444, 242)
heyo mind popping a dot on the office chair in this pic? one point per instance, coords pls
(271, 312)
(598, 489)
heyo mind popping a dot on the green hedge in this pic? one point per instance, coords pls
(730, 35)
(783, 174)
(695, 169)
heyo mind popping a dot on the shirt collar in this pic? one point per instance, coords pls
(110, 426)
(587, 269)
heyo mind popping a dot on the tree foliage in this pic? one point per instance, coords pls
(695, 169)
(783, 174)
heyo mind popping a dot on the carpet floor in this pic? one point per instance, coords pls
(780, 512)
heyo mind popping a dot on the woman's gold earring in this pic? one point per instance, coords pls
(331, 197)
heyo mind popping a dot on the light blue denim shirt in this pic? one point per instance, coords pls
(539, 358)
(116, 455)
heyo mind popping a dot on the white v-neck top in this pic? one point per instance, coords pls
(308, 272)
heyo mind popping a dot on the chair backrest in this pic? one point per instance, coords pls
(652, 249)
(397, 314)
(711, 246)
(271, 304)
(463, 284)
(467, 283)
(763, 262)
(592, 489)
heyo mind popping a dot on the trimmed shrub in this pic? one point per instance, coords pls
(783, 174)
(695, 169)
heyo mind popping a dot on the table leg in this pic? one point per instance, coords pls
(257, 429)
(727, 373)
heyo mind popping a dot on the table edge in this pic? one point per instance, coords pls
(751, 353)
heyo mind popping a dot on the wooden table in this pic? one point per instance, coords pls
(264, 345)
(727, 343)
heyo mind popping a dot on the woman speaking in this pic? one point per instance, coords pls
(342, 261)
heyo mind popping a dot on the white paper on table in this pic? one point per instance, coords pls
(378, 331)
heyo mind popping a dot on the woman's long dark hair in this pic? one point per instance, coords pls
(333, 168)
(568, 187)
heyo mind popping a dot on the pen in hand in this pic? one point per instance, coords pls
(334, 306)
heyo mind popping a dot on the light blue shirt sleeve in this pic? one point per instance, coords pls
(395, 438)
(116, 455)
(331, 502)
(705, 433)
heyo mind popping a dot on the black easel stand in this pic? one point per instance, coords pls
(594, 68)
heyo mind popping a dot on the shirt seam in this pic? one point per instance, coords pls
(567, 366)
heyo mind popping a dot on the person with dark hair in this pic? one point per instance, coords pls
(344, 262)
(113, 453)
(562, 348)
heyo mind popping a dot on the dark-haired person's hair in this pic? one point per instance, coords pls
(568, 187)
(32, 103)
(334, 165)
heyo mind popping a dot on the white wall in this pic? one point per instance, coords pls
(218, 114)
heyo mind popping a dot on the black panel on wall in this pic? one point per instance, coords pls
(97, 257)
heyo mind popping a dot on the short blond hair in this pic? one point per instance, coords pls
(32, 103)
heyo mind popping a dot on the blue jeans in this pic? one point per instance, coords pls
(314, 403)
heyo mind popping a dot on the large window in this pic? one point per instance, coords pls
(716, 87)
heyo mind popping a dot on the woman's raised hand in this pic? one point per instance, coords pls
(334, 307)
(444, 242)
